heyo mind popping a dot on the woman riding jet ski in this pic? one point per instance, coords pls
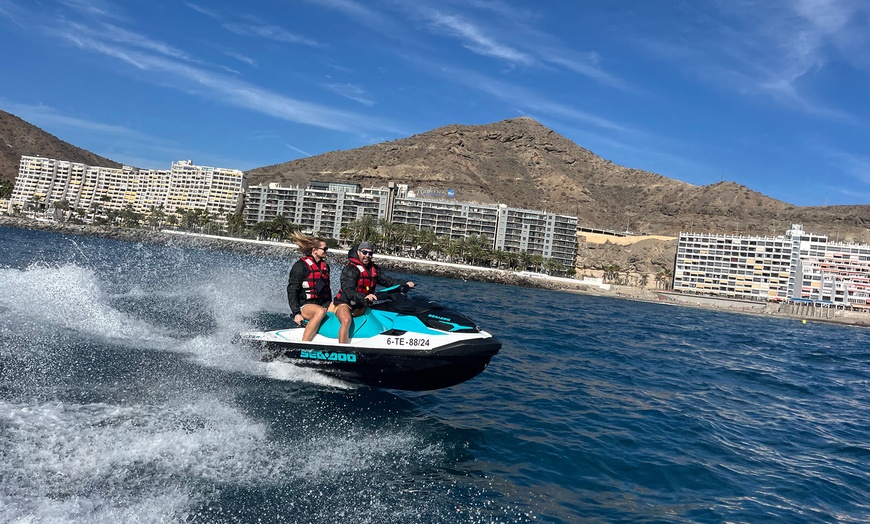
(398, 342)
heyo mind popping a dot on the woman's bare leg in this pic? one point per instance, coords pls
(314, 314)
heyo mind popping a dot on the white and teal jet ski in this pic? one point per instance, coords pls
(403, 342)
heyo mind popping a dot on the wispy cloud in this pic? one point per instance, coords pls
(46, 116)
(294, 148)
(776, 50)
(526, 100)
(241, 58)
(175, 68)
(352, 92)
(855, 166)
(474, 37)
(95, 8)
(269, 32)
(361, 13)
(507, 33)
(254, 27)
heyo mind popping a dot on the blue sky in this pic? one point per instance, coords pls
(774, 95)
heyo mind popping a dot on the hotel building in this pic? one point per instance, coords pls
(324, 208)
(42, 182)
(321, 208)
(798, 266)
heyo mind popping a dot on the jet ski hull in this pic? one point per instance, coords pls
(406, 369)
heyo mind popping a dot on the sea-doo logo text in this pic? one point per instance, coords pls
(436, 317)
(326, 355)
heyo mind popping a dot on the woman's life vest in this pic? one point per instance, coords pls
(316, 284)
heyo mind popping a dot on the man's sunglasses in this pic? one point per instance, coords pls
(366, 252)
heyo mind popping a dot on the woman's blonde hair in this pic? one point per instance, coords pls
(307, 243)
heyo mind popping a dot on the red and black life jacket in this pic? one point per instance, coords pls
(368, 277)
(316, 284)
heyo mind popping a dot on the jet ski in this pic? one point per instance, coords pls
(401, 342)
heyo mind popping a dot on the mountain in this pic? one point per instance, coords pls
(522, 163)
(18, 138)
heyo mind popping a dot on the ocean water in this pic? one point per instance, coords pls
(123, 400)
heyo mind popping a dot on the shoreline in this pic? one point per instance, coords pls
(456, 271)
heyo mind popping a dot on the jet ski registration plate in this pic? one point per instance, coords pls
(413, 342)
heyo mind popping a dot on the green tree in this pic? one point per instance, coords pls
(537, 261)
(236, 224)
(61, 207)
(365, 228)
(611, 273)
(424, 242)
(6, 188)
(281, 228)
(156, 217)
(524, 260)
(129, 216)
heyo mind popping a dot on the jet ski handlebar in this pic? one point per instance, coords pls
(391, 292)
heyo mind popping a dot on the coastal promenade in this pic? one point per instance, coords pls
(800, 312)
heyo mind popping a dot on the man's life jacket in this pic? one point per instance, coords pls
(368, 277)
(316, 284)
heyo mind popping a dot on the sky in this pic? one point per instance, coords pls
(773, 95)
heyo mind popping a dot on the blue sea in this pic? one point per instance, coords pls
(123, 400)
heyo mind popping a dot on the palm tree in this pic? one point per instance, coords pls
(190, 220)
(644, 280)
(537, 261)
(477, 249)
(236, 224)
(63, 206)
(668, 278)
(388, 232)
(96, 209)
(424, 241)
(129, 217)
(282, 228)
(156, 216)
(263, 230)
(611, 273)
(500, 257)
(551, 265)
(365, 228)
(524, 260)
(450, 248)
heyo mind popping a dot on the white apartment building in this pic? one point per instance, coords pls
(798, 266)
(321, 208)
(215, 190)
(447, 217)
(42, 182)
(553, 236)
(325, 208)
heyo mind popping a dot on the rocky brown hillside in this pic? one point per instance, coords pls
(521, 163)
(18, 138)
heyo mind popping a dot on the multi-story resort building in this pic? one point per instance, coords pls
(327, 207)
(321, 208)
(43, 182)
(798, 266)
